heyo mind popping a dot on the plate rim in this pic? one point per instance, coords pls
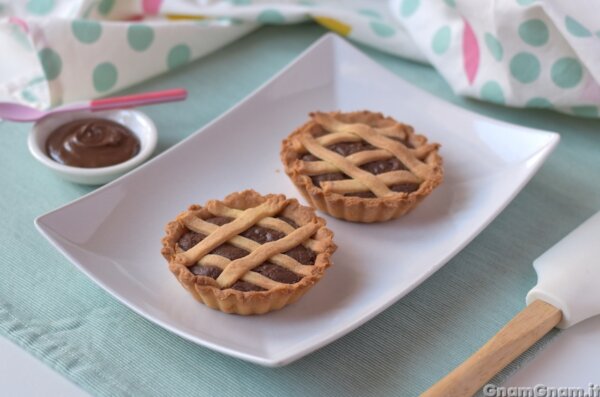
(286, 356)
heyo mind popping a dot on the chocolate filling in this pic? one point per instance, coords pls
(375, 167)
(259, 234)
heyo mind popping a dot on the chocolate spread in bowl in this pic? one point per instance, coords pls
(92, 143)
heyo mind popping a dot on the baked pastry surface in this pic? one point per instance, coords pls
(361, 166)
(249, 253)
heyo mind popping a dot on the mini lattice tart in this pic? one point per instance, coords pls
(248, 254)
(361, 166)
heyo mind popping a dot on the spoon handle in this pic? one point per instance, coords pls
(526, 328)
(147, 98)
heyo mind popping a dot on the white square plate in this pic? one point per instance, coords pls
(113, 234)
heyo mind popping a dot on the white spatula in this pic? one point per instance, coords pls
(567, 292)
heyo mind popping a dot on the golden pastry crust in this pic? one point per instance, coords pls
(208, 291)
(389, 205)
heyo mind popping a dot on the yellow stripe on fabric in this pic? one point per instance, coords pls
(185, 17)
(334, 24)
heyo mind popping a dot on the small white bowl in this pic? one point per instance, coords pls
(136, 121)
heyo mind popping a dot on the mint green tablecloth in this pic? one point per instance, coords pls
(60, 316)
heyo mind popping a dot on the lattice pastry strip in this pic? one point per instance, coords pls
(363, 180)
(370, 181)
(345, 186)
(250, 277)
(237, 268)
(249, 218)
(409, 157)
(221, 209)
(234, 270)
(343, 136)
(358, 159)
(201, 226)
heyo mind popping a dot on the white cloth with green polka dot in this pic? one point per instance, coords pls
(522, 53)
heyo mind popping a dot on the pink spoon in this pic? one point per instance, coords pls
(18, 112)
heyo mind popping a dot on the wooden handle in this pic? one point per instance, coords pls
(526, 328)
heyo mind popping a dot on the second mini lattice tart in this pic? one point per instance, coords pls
(361, 166)
(249, 253)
